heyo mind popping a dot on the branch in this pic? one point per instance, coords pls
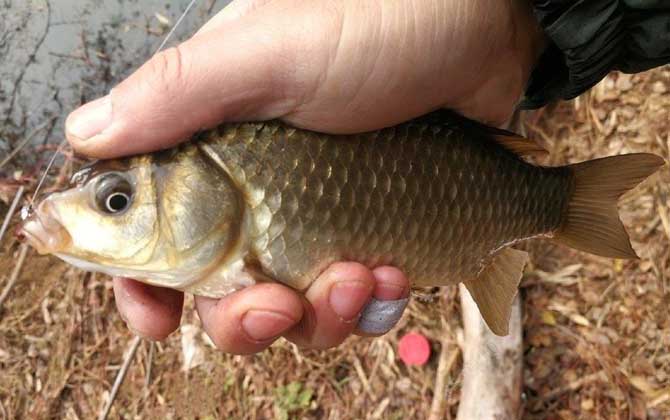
(134, 344)
(492, 365)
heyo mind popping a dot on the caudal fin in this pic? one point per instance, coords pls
(592, 221)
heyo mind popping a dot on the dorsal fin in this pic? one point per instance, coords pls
(518, 144)
(511, 141)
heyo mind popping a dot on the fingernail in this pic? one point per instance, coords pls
(347, 298)
(264, 325)
(90, 119)
(379, 316)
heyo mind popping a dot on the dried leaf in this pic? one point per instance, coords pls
(192, 349)
(162, 19)
(548, 318)
(565, 276)
(580, 320)
(618, 266)
(587, 404)
(642, 385)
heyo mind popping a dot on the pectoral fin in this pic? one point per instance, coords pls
(495, 288)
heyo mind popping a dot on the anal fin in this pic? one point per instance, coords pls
(496, 286)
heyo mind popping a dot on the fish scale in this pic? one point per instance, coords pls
(430, 199)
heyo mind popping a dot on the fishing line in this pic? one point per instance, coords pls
(183, 15)
(27, 210)
(46, 170)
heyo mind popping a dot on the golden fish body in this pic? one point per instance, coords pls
(429, 199)
(440, 197)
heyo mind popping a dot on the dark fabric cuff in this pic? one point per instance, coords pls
(589, 38)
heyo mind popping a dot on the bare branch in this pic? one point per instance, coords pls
(130, 355)
(11, 211)
(15, 274)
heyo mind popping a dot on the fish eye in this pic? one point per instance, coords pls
(113, 193)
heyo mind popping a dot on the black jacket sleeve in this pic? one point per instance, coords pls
(589, 38)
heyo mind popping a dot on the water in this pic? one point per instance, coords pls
(57, 54)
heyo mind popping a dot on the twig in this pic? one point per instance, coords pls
(25, 141)
(492, 365)
(447, 360)
(150, 362)
(575, 385)
(665, 396)
(70, 56)
(361, 375)
(10, 212)
(135, 343)
(15, 274)
(211, 7)
(3, 412)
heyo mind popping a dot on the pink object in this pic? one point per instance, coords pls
(414, 349)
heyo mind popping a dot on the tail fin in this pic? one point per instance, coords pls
(592, 221)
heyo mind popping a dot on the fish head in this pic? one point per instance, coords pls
(165, 218)
(107, 214)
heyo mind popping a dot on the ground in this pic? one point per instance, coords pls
(596, 330)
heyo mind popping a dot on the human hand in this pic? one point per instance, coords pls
(336, 67)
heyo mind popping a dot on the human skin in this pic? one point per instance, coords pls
(331, 66)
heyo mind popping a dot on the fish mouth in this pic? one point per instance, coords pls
(43, 231)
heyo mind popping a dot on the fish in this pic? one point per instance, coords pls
(441, 197)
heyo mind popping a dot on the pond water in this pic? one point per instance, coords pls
(57, 54)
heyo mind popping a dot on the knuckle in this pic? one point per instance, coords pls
(167, 70)
(350, 271)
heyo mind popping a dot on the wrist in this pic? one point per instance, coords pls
(516, 42)
(529, 38)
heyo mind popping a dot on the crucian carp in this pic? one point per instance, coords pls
(441, 197)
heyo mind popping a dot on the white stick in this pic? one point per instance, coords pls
(15, 274)
(10, 212)
(448, 356)
(492, 365)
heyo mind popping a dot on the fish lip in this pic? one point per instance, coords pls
(26, 236)
(46, 237)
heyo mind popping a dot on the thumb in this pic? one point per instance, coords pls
(242, 72)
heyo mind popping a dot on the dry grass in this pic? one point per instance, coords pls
(597, 331)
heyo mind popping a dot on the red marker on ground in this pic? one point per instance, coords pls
(414, 349)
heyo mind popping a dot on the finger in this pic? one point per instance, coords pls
(391, 283)
(149, 311)
(336, 300)
(389, 301)
(244, 70)
(249, 320)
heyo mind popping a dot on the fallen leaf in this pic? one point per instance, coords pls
(580, 320)
(548, 318)
(192, 349)
(162, 19)
(642, 385)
